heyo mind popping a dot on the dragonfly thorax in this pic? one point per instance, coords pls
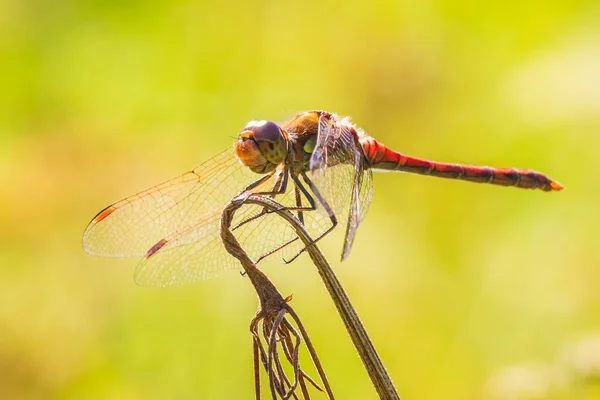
(262, 146)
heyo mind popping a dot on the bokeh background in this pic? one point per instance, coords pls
(468, 291)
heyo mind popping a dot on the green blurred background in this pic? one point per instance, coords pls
(468, 291)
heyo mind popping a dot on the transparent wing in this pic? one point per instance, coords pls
(175, 225)
(341, 174)
(132, 226)
(196, 252)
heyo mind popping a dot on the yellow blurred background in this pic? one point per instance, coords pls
(468, 291)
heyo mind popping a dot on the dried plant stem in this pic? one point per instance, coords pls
(375, 368)
(276, 330)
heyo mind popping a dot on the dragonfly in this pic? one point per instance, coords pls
(318, 165)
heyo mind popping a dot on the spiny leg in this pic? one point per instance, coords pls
(272, 194)
(279, 188)
(325, 205)
(299, 189)
(276, 249)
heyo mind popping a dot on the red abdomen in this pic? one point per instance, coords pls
(382, 157)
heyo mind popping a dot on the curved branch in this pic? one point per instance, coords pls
(362, 342)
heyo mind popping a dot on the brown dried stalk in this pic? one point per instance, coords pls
(271, 325)
(362, 342)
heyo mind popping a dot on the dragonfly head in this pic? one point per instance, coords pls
(262, 146)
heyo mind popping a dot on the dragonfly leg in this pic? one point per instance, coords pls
(279, 188)
(276, 249)
(322, 201)
(299, 189)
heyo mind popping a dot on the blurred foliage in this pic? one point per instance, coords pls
(456, 282)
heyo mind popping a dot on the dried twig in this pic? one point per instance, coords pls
(271, 325)
(375, 368)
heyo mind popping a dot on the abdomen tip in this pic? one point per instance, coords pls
(554, 185)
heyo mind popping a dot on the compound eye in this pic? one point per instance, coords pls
(267, 131)
(261, 145)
